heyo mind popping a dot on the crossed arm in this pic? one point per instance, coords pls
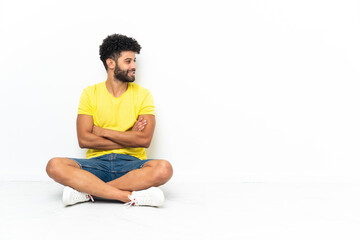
(93, 137)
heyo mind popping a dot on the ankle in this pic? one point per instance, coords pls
(124, 196)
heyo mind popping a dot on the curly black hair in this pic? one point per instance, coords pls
(114, 44)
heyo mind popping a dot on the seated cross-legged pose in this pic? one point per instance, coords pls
(116, 122)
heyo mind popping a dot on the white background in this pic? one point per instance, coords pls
(244, 90)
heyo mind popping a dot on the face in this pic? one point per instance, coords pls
(125, 67)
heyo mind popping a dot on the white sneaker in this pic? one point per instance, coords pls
(71, 196)
(149, 197)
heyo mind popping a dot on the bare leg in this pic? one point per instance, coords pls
(67, 172)
(153, 173)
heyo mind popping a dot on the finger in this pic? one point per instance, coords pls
(137, 123)
(139, 129)
(142, 123)
(138, 126)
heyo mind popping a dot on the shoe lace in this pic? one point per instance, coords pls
(144, 200)
(133, 202)
(91, 198)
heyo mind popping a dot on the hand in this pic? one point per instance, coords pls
(139, 125)
(97, 131)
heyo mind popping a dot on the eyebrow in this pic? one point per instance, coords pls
(129, 59)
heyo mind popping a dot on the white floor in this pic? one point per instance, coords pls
(33, 210)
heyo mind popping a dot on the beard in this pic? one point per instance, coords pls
(123, 75)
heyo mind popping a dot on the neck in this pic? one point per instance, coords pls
(116, 87)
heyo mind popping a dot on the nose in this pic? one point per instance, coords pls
(133, 65)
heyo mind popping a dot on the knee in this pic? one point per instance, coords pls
(163, 173)
(53, 167)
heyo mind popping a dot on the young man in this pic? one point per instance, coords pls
(116, 122)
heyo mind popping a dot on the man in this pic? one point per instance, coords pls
(116, 122)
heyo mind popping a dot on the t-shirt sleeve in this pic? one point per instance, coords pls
(147, 106)
(85, 104)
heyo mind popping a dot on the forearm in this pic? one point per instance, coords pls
(138, 137)
(134, 139)
(92, 141)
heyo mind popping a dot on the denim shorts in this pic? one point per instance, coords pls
(110, 166)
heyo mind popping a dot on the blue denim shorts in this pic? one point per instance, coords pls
(110, 166)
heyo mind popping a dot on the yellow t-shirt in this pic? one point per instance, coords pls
(116, 113)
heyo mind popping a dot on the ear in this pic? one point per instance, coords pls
(110, 63)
